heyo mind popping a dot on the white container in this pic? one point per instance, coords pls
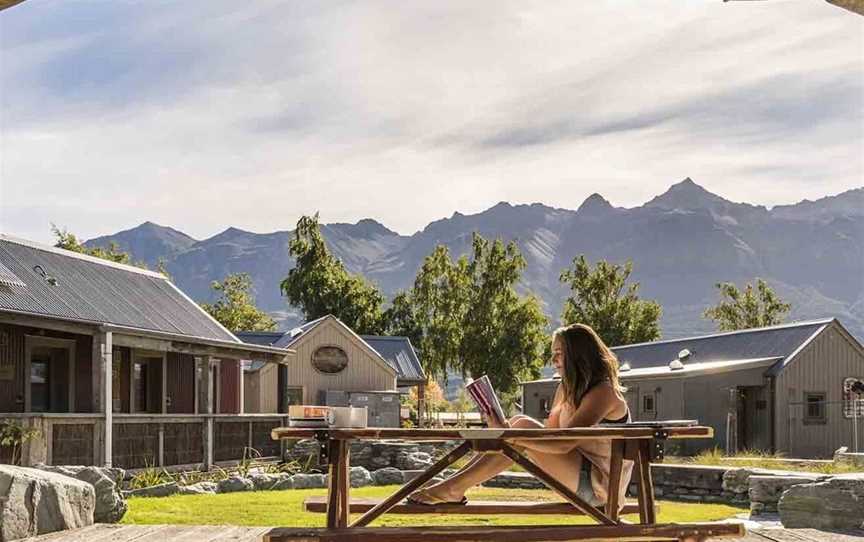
(348, 417)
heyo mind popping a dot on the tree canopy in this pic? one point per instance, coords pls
(319, 284)
(601, 298)
(754, 307)
(465, 315)
(235, 309)
(66, 240)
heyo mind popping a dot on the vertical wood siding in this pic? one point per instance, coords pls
(268, 389)
(229, 401)
(181, 383)
(820, 367)
(363, 373)
(12, 361)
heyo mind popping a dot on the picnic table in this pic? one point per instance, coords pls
(633, 441)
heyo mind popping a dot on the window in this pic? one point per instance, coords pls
(814, 408)
(648, 406)
(293, 396)
(853, 403)
(329, 359)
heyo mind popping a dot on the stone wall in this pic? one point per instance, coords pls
(374, 455)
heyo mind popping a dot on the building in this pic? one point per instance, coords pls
(782, 388)
(114, 365)
(332, 361)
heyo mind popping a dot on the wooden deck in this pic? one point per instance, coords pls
(219, 533)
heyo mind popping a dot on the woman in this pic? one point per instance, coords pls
(589, 393)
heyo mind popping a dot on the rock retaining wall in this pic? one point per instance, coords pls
(374, 455)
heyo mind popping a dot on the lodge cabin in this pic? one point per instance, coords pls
(334, 366)
(784, 389)
(113, 365)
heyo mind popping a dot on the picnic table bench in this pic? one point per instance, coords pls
(633, 441)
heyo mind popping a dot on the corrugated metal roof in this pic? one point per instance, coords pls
(768, 342)
(699, 368)
(264, 338)
(294, 335)
(8, 278)
(92, 290)
(400, 354)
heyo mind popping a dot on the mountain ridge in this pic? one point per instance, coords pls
(681, 242)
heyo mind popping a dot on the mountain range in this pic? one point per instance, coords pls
(681, 243)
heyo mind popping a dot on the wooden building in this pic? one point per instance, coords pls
(330, 357)
(781, 388)
(114, 365)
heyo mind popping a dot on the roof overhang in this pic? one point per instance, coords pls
(152, 339)
(8, 3)
(699, 369)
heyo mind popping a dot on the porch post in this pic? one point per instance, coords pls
(205, 406)
(421, 403)
(103, 396)
(240, 385)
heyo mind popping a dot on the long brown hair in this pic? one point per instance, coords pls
(587, 362)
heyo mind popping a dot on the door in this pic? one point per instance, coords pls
(49, 377)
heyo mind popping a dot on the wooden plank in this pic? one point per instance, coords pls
(361, 506)
(344, 487)
(646, 485)
(614, 490)
(556, 486)
(333, 500)
(509, 533)
(576, 433)
(388, 503)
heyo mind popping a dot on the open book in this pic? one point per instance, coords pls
(486, 399)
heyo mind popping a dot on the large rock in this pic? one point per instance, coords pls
(836, 503)
(388, 476)
(309, 481)
(34, 502)
(161, 490)
(765, 490)
(201, 488)
(414, 461)
(110, 504)
(268, 482)
(234, 484)
(360, 477)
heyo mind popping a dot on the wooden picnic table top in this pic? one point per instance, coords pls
(673, 430)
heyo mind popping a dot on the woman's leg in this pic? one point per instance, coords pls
(564, 467)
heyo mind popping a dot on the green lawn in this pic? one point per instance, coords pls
(285, 508)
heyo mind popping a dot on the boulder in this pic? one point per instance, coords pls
(266, 482)
(283, 481)
(738, 480)
(309, 481)
(234, 484)
(201, 488)
(414, 461)
(835, 503)
(388, 476)
(161, 490)
(765, 490)
(360, 477)
(34, 502)
(110, 504)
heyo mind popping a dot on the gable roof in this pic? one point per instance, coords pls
(291, 337)
(400, 354)
(263, 338)
(781, 342)
(95, 291)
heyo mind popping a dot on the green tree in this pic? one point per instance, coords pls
(235, 308)
(601, 298)
(66, 240)
(319, 284)
(751, 308)
(468, 317)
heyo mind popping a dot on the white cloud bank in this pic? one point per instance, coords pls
(202, 115)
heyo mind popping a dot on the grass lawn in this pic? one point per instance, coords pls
(285, 508)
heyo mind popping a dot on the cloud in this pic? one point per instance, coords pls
(204, 115)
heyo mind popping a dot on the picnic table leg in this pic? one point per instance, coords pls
(344, 484)
(615, 467)
(647, 513)
(334, 496)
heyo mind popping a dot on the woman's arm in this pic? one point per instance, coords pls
(596, 404)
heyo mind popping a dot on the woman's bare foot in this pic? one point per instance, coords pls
(436, 494)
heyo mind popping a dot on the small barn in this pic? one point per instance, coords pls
(782, 389)
(333, 365)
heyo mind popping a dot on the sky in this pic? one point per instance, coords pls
(206, 114)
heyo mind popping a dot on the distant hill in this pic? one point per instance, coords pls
(681, 242)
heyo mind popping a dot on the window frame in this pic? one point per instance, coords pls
(653, 410)
(806, 418)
